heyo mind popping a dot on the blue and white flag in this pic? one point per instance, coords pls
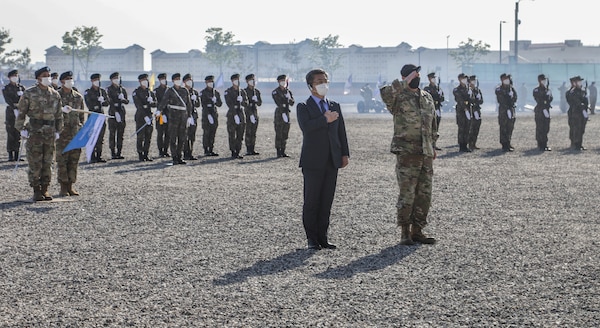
(220, 83)
(87, 135)
(348, 85)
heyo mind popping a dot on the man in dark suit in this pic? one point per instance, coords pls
(324, 151)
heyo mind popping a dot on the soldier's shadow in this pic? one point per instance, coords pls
(256, 161)
(533, 152)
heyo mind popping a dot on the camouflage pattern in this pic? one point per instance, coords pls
(415, 132)
(143, 109)
(252, 109)
(209, 107)
(464, 114)
(162, 127)
(177, 118)
(283, 98)
(90, 98)
(235, 131)
(578, 104)
(476, 102)
(116, 130)
(67, 163)
(188, 149)
(543, 99)
(44, 109)
(506, 96)
(12, 93)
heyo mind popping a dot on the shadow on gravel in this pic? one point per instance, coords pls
(533, 152)
(15, 203)
(383, 259)
(494, 152)
(146, 167)
(256, 161)
(281, 263)
(452, 154)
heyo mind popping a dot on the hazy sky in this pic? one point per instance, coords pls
(178, 26)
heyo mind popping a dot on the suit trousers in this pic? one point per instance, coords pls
(319, 191)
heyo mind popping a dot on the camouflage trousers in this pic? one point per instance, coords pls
(282, 129)
(415, 175)
(40, 156)
(235, 131)
(251, 129)
(66, 163)
(542, 127)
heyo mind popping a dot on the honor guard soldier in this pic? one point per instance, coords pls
(12, 92)
(462, 96)
(577, 113)
(162, 125)
(176, 104)
(116, 126)
(507, 98)
(192, 125)
(438, 98)
(593, 91)
(144, 100)
(254, 101)
(68, 162)
(95, 99)
(283, 98)
(476, 102)
(43, 105)
(543, 99)
(210, 99)
(236, 100)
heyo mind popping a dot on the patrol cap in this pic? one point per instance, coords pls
(175, 76)
(188, 76)
(162, 76)
(142, 76)
(54, 74)
(114, 75)
(504, 76)
(41, 70)
(95, 76)
(576, 78)
(541, 77)
(249, 77)
(409, 68)
(14, 72)
(235, 76)
(66, 75)
(209, 78)
(462, 75)
(281, 77)
(431, 75)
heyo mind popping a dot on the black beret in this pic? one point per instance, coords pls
(472, 77)
(541, 77)
(409, 68)
(209, 78)
(66, 75)
(462, 75)
(13, 73)
(41, 70)
(281, 77)
(249, 77)
(175, 76)
(54, 74)
(95, 76)
(162, 76)
(504, 76)
(142, 76)
(188, 76)
(576, 78)
(431, 75)
(113, 75)
(235, 76)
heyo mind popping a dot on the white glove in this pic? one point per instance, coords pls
(509, 114)
(478, 96)
(101, 99)
(546, 113)
(254, 98)
(157, 113)
(19, 93)
(121, 96)
(67, 109)
(118, 117)
(252, 119)
(236, 118)
(285, 117)
(56, 136)
(470, 92)
(211, 120)
(287, 95)
(548, 93)
(190, 121)
(194, 97)
(149, 99)
(214, 99)
(164, 118)
(16, 111)
(476, 115)
(240, 98)
(438, 112)
(468, 115)
(24, 133)
(511, 94)
(148, 120)
(585, 113)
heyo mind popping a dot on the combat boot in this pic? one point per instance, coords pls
(283, 154)
(119, 156)
(405, 235)
(64, 189)
(146, 158)
(206, 151)
(45, 193)
(140, 156)
(37, 194)
(278, 152)
(72, 190)
(417, 235)
(113, 155)
(17, 158)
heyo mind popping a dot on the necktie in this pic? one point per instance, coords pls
(322, 102)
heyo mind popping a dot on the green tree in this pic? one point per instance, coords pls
(324, 55)
(468, 52)
(19, 59)
(220, 48)
(82, 43)
(292, 56)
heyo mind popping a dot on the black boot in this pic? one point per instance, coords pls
(113, 154)
(212, 153)
(278, 152)
(283, 154)
(140, 156)
(99, 158)
(10, 156)
(16, 157)
(119, 154)
(206, 151)
(146, 158)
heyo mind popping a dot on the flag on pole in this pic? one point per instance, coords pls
(220, 83)
(152, 82)
(87, 135)
(348, 85)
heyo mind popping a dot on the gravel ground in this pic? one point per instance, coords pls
(219, 242)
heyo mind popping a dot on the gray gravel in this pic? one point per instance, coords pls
(219, 242)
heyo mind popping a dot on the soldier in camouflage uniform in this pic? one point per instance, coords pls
(577, 113)
(543, 99)
(251, 111)
(67, 163)
(12, 92)
(476, 102)
(55, 82)
(116, 126)
(210, 99)
(192, 127)
(144, 99)
(176, 104)
(43, 105)
(95, 99)
(236, 99)
(415, 132)
(162, 123)
(438, 97)
(462, 95)
(283, 98)
(506, 95)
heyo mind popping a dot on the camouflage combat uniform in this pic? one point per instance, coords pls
(235, 130)
(252, 111)
(209, 107)
(12, 92)
(415, 131)
(506, 97)
(283, 98)
(68, 162)
(543, 98)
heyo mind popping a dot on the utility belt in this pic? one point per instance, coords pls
(177, 107)
(41, 122)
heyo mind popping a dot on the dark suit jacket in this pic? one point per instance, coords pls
(320, 139)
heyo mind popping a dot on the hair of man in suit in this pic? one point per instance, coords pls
(310, 76)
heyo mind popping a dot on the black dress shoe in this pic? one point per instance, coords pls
(328, 245)
(313, 245)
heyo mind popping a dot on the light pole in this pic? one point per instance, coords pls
(447, 48)
(517, 22)
(500, 59)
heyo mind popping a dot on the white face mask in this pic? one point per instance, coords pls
(474, 82)
(579, 83)
(177, 82)
(163, 82)
(463, 81)
(14, 79)
(55, 81)
(432, 80)
(251, 83)
(115, 81)
(46, 81)
(210, 84)
(144, 83)
(96, 83)
(282, 83)
(506, 82)
(189, 83)
(544, 82)
(236, 82)
(322, 89)
(69, 84)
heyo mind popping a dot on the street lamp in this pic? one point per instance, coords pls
(447, 47)
(517, 22)
(500, 59)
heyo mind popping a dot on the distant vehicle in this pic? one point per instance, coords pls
(369, 103)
